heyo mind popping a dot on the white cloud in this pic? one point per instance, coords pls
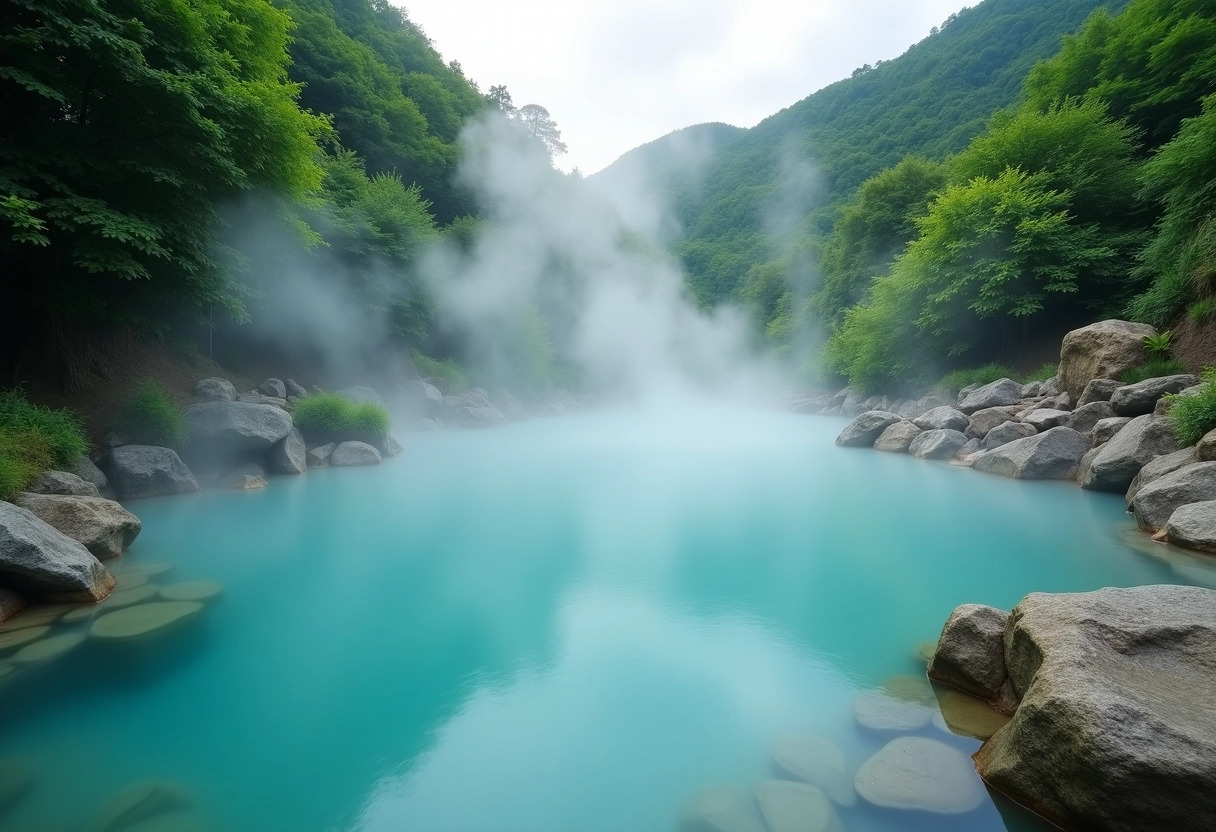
(618, 73)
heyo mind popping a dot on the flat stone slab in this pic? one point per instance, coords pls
(719, 809)
(818, 762)
(882, 710)
(920, 773)
(795, 807)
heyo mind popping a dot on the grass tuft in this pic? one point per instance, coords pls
(1153, 368)
(987, 374)
(150, 416)
(34, 438)
(329, 415)
(1192, 417)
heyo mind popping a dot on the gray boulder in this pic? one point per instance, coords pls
(37, 560)
(61, 482)
(273, 387)
(1032, 390)
(318, 457)
(1115, 729)
(970, 655)
(147, 471)
(295, 390)
(10, 604)
(1098, 390)
(1156, 502)
(1158, 468)
(942, 418)
(87, 471)
(897, 437)
(1085, 417)
(996, 394)
(982, 421)
(865, 429)
(354, 453)
(258, 398)
(235, 428)
(1193, 526)
(1054, 455)
(1205, 450)
(215, 390)
(1060, 401)
(1119, 460)
(1106, 429)
(973, 446)
(102, 526)
(240, 481)
(289, 455)
(1005, 433)
(426, 399)
(1102, 350)
(1165, 403)
(1047, 418)
(388, 445)
(937, 444)
(1141, 397)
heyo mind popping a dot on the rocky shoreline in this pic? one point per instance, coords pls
(1082, 425)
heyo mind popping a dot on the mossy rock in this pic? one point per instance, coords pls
(36, 616)
(14, 782)
(143, 619)
(138, 803)
(16, 638)
(47, 648)
(191, 591)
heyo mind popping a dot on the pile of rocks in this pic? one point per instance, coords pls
(1104, 434)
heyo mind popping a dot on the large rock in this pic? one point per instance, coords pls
(1156, 502)
(865, 429)
(294, 389)
(1193, 526)
(354, 453)
(289, 455)
(215, 390)
(1054, 455)
(999, 393)
(273, 387)
(1205, 450)
(1115, 731)
(1141, 397)
(147, 471)
(983, 421)
(1046, 418)
(258, 398)
(1007, 432)
(1086, 417)
(970, 655)
(229, 429)
(920, 773)
(1102, 350)
(897, 438)
(1105, 429)
(426, 399)
(61, 482)
(937, 444)
(318, 457)
(1158, 468)
(1098, 390)
(102, 526)
(87, 471)
(1118, 461)
(36, 560)
(942, 418)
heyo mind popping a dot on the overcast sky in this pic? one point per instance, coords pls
(619, 73)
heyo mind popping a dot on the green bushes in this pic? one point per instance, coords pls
(1153, 368)
(331, 416)
(34, 438)
(447, 369)
(150, 416)
(1201, 310)
(1193, 416)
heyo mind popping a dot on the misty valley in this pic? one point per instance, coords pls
(366, 466)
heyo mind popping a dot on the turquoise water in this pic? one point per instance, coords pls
(564, 625)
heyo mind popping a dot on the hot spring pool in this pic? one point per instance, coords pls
(567, 625)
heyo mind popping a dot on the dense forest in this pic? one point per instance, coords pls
(142, 138)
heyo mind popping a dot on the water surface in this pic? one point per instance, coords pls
(565, 625)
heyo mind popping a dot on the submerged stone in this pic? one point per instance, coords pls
(818, 762)
(795, 807)
(143, 619)
(140, 802)
(191, 591)
(920, 773)
(36, 615)
(47, 648)
(127, 597)
(966, 715)
(16, 638)
(720, 809)
(14, 781)
(881, 710)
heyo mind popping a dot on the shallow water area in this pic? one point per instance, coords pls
(565, 625)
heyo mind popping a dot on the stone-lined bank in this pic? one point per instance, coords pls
(1081, 425)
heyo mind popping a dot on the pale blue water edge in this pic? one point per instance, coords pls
(563, 625)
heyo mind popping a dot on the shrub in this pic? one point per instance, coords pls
(1193, 416)
(1158, 346)
(150, 416)
(1201, 310)
(58, 430)
(1153, 368)
(447, 369)
(329, 415)
(23, 453)
(987, 374)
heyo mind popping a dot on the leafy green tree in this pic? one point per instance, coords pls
(1181, 259)
(500, 98)
(541, 126)
(126, 124)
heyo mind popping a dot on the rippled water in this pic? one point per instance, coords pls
(558, 626)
